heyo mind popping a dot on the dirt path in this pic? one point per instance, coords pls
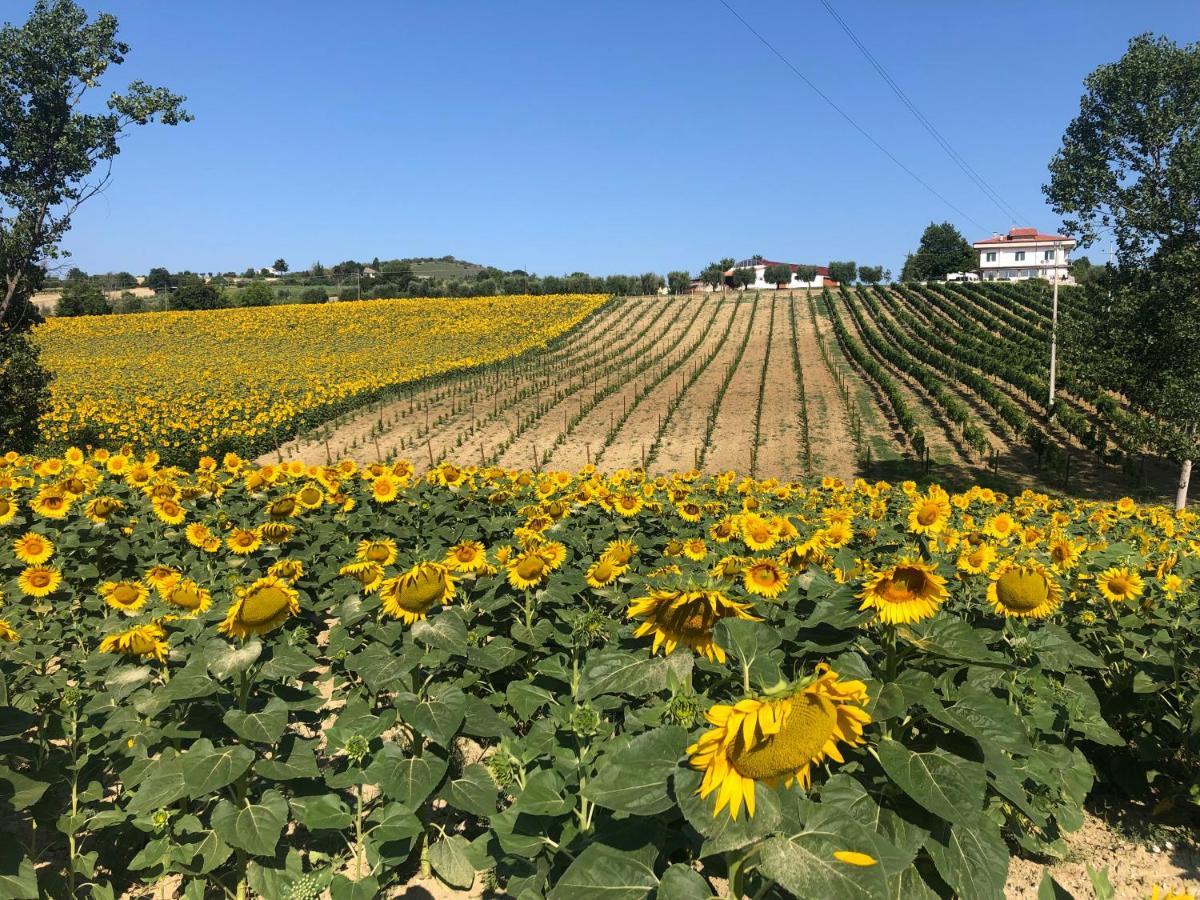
(645, 420)
(683, 439)
(733, 434)
(781, 426)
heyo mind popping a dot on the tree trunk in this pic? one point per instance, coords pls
(1185, 476)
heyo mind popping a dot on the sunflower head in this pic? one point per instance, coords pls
(39, 581)
(909, 591)
(778, 739)
(1119, 584)
(124, 596)
(262, 607)
(411, 595)
(685, 617)
(381, 551)
(467, 556)
(141, 642)
(187, 595)
(765, 577)
(33, 548)
(1023, 590)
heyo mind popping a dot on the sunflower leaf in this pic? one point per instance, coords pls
(255, 827)
(945, 784)
(445, 630)
(264, 726)
(603, 871)
(226, 660)
(635, 779)
(449, 860)
(971, 856)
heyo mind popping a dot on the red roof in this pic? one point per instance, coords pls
(1023, 234)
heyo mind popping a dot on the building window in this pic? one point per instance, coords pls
(1049, 255)
(990, 256)
(1020, 256)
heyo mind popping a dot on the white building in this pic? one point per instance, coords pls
(760, 282)
(1025, 253)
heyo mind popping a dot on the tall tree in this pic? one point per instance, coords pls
(1130, 162)
(280, 265)
(871, 274)
(713, 275)
(744, 277)
(679, 281)
(778, 274)
(943, 249)
(81, 298)
(55, 156)
(843, 272)
(650, 282)
(807, 274)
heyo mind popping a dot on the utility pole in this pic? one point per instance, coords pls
(1053, 331)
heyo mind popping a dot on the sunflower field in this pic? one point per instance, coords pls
(295, 681)
(188, 383)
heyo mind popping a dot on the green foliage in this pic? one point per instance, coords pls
(843, 272)
(678, 282)
(743, 277)
(943, 249)
(713, 274)
(159, 279)
(806, 273)
(777, 274)
(871, 274)
(51, 142)
(23, 389)
(255, 294)
(196, 296)
(82, 298)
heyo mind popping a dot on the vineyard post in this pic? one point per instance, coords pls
(587, 450)
(429, 447)
(1053, 335)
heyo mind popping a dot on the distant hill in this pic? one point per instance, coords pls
(446, 267)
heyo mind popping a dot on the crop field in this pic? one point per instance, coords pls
(189, 383)
(286, 679)
(942, 382)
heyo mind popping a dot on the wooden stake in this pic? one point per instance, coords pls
(429, 446)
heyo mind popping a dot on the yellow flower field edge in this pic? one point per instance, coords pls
(185, 384)
(275, 681)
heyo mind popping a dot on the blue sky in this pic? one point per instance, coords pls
(617, 136)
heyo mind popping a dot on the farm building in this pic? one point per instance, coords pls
(1025, 253)
(760, 265)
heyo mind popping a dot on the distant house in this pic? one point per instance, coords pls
(1025, 253)
(760, 283)
(369, 272)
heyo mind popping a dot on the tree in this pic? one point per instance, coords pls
(743, 277)
(778, 274)
(24, 382)
(280, 265)
(316, 270)
(806, 274)
(651, 282)
(314, 295)
(713, 275)
(1130, 162)
(943, 249)
(255, 294)
(871, 274)
(50, 144)
(81, 298)
(196, 296)
(679, 281)
(159, 280)
(843, 272)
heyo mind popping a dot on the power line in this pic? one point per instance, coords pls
(1005, 208)
(816, 90)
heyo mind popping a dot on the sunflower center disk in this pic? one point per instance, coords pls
(1022, 589)
(424, 590)
(263, 605)
(809, 726)
(906, 584)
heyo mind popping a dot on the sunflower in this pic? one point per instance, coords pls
(695, 549)
(140, 641)
(908, 591)
(1119, 583)
(125, 596)
(1000, 526)
(243, 541)
(685, 617)
(757, 533)
(8, 634)
(620, 552)
(51, 503)
(976, 559)
(1065, 553)
(283, 507)
(778, 739)
(1023, 590)
(8, 509)
(627, 505)
(837, 534)
(169, 511)
(311, 496)
(162, 578)
(929, 514)
(187, 594)
(467, 556)
(384, 489)
(290, 570)
(766, 578)
(554, 553)
(101, 509)
(527, 569)
(1172, 585)
(409, 596)
(382, 551)
(367, 574)
(603, 572)
(33, 548)
(261, 607)
(198, 534)
(276, 532)
(38, 581)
